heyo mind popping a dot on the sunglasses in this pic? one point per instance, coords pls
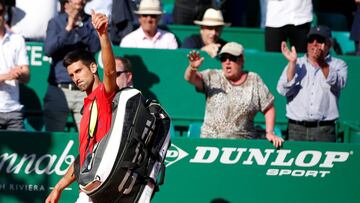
(225, 57)
(2, 11)
(118, 73)
(318, 39)
(148, 15)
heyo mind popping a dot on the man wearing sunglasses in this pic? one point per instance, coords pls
(312, 86)
(233, 97)
(124, 76)
(148, 35)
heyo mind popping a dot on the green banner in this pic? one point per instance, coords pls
(32, 163)
(198, 170)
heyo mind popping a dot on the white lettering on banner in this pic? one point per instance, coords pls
(280, 158)
(202, 151)
(316, 156)
(26, 187)
(32, 163)
(296, 173)
(332, 157)
(227, 151)
(68, 159)
(51, 160)
(261, 157)
(16, 169)
(35, 55)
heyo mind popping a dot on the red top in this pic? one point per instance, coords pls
(104, 106)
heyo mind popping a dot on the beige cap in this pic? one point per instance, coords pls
(149, 7)
(212, 17)
(232, 48)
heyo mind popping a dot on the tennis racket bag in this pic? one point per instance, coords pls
(127, 165)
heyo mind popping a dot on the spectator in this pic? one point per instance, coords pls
(122, 19)
(14, 68)
(240, 13)
(208, 40)
(233, 97)
(312, 86)
(355, 29)
(186, 11)
(82, 68)
(27, 13)
(263, 6)
(9, 4)
(287, 20)
(336, 14)
(124, 75)
(67, 31)
(148, 35)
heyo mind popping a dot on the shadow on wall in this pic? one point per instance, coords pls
(32, 108)
(147, 79)
(219, 200)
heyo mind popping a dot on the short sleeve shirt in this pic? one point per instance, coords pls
(230, 110)
(104, 106)
(12, 53)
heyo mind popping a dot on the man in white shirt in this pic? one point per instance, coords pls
(14, 68)
(312, 85)
(287, 20)
(29, 21)
(148, 35)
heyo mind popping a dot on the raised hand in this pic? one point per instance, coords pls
(194, 59)
(100, 22)
(73, 15)
(291, 56)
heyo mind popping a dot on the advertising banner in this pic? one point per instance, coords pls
(198, 170)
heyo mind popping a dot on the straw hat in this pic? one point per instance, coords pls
(149, 7)
(212, 17)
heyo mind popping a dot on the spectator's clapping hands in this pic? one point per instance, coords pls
(317, 51)
(194, 59)
(15, 73)
(73, 15)
(100, 22)
(277, 141)
(291, 56)
(212, 49)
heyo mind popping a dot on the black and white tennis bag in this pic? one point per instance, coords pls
(127, 165)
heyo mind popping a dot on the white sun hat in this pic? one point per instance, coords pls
(232, 48)
(212, 17)
(149, 7)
